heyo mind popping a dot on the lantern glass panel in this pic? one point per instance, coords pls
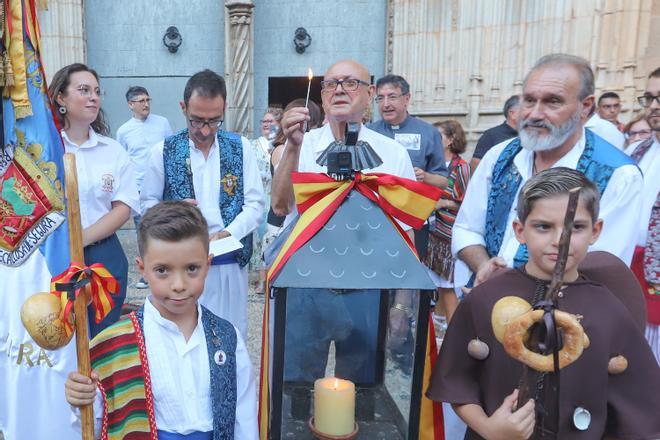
(357, 335)
(400, 348)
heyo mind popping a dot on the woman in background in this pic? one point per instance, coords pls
(638, 129)
(439, 257)
(263, 147)
(107, 188)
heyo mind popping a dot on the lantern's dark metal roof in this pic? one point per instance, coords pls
(359, 248)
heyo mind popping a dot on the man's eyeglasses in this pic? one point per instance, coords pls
(390, 98)
(141, 101)
(647, 100)
(267, 121)
(87, 91)
(199, 123)
(348, 85)
(641, 133)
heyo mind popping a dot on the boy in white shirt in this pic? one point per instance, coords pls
(173, 369)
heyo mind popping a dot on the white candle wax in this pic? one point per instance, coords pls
(334, 406)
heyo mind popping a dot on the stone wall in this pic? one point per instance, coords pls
(62, 34)
(125, 45)
(340, 29)
(464, 58)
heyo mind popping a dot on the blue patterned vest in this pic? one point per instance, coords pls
(179, 183)
(221, 346)
(598, 162)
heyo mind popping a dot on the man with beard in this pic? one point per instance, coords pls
(647, 252)
(557, 98)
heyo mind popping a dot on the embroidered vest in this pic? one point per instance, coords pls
(119, 355)
(179, 182)
(598, 162)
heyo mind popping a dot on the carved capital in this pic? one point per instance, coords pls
(240, 11)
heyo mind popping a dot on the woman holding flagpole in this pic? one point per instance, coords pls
(106, 179)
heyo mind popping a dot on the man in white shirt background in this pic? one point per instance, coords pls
(646, 262)
(138, 135)
(557, 99)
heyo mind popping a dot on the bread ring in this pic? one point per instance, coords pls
(516, 332)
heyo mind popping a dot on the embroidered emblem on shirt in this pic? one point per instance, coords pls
(229, 183)
(220, 357)
(107, 182)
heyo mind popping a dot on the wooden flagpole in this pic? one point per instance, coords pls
(80, 304)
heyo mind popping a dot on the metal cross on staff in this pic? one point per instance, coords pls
(529, 376)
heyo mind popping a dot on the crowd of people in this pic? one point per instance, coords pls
(495, 232)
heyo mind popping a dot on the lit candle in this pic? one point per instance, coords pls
(310, 76)
(334, 406)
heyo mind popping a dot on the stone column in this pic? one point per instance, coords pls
(62, 35)
(238, 66)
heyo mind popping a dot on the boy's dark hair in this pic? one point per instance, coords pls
(206, 83)
(172, 221)
(607, 95)
(134, 91)
(557, 181)
(396, 81)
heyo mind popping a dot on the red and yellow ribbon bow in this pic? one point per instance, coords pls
(66, 286)
(318, 196)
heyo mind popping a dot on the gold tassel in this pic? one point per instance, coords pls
(22, 112)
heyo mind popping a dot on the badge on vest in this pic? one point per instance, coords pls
(229, 183)
(220, 357)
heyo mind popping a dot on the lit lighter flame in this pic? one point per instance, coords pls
(310, 75)
(336, 384)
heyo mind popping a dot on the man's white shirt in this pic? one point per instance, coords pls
(606, 130)
(207, 185)
(619, 205)
(650, 166)
(138, 137)
(396, 160)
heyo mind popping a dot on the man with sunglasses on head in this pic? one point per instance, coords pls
(346, 92)
(216, 171)
(646, 260)
(138, 135)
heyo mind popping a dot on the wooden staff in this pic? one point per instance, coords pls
(529, 376)
(80, 304)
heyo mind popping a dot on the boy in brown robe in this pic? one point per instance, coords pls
(483, 392)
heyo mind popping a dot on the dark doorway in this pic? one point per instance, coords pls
(284, 89)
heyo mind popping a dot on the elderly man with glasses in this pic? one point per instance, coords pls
(216, 171)
(138, 135)
(346, 92)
